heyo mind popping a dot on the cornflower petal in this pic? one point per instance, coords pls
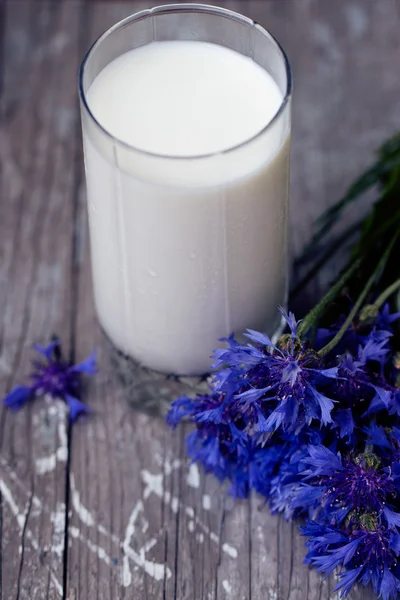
(19, 396)
(373, 350)
(254, 394)
(389, 585)
(395, 544)
(76, 408)
(344, 420)
(290, 372)
(47, 351)
(290, 320)
(323, 460)
(325, 404)
(347, 580)
(331, 373)
(377, 436)
(181, 407)
(392, 518)
(261, 338)
(262, 423)
(87, 366)
(383, 395)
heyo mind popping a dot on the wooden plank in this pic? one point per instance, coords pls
(38, 144)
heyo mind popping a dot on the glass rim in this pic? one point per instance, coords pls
(185, 7)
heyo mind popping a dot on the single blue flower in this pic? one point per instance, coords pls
(365, 555)
(56, 378)
(343, 488)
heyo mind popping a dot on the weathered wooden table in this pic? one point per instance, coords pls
(111, 509)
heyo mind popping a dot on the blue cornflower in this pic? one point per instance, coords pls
(346, 487)
(357, 385)
(317, 436)
(224, 447)
(55, 377)
(276, 385)
(368, 554)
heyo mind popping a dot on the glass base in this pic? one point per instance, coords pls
(152, 392)
(147, 390)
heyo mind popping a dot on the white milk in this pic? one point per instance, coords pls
(185, 250)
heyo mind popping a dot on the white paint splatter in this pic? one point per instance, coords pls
(36, 502)
(229, 550)
(171, 466)
(62, 451)
(149, 544)
(130, 530)
(8, 497)
(47, 464)
(59, 588)
(206, 502)
(21, 520)
(155, 570)
(154, 484)
(227, 586)
(272, 594)
(175, 505)
(357, 20)
(193, 477)
(58, 519)
(98, 550)
(59, 42)
(145, 526)
(81, 510)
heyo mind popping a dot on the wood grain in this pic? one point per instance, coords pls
(141, 522)
(38, 116)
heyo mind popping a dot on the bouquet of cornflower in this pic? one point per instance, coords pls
(313, 422)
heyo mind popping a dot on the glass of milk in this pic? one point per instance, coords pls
(186, 128)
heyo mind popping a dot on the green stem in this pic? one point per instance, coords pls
(326, 349)
(314, 314)
(387, 293)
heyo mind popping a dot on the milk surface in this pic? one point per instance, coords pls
(185, 250)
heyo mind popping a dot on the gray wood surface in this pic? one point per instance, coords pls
(112, 509)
